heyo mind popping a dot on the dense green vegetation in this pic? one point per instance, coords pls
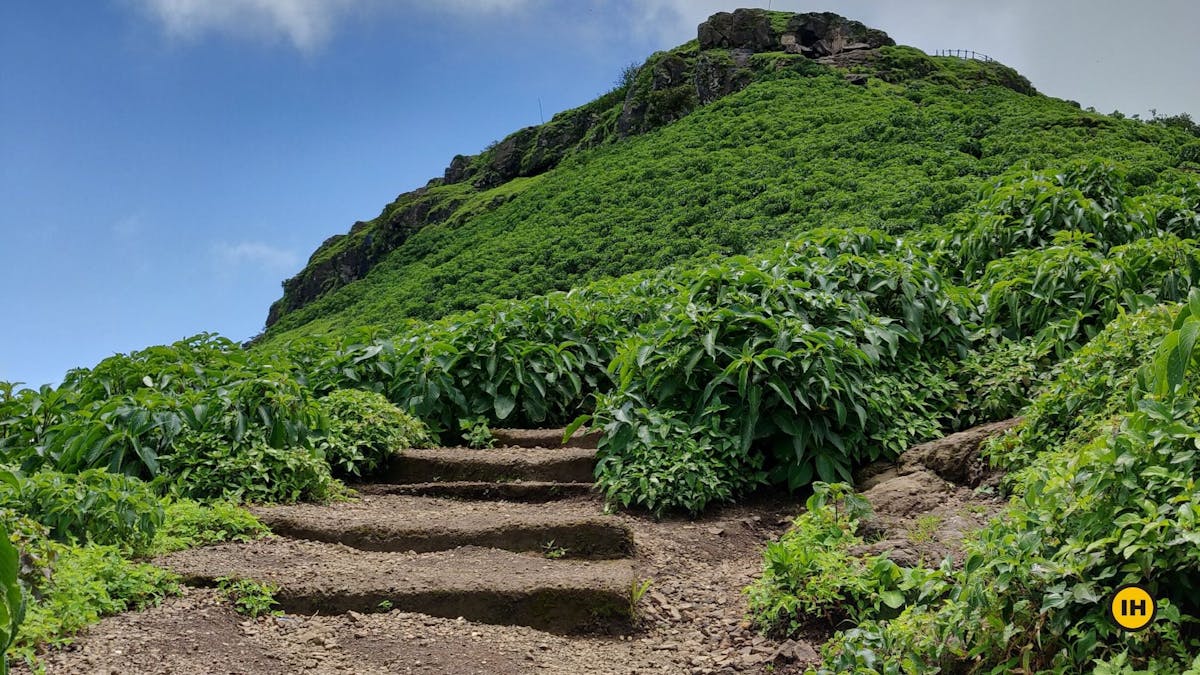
(80, 549)
(810, 575)
(1107, 441)
(828, 274)
(799, 148)
(1107, 498)
(781, 369)
(843, 346)
(102, 471)
(365, 430)
(12, 601)
(709, 379)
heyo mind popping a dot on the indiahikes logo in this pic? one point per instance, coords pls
(1132, 607)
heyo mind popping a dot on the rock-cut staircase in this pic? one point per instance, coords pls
(511, 535)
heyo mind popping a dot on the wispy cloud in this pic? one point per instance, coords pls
(306, 24)
(262, 256)
(669, 22)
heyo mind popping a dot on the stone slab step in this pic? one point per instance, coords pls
(546, 438)
(496, 465)
(484, 585)
(514, 491)
(406, 523)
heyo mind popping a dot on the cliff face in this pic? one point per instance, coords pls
(731, 51)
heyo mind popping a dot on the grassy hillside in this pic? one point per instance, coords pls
(935, 248)
(799, 148)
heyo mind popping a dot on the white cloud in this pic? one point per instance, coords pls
(670, 22)
(475, 6)
(305, 23)
(257, 254)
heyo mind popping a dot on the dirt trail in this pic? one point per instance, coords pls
(692, 619)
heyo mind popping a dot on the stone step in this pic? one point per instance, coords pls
(478, 584)
(496, 465)
(545, 438)
(406, 523)
(513, 491)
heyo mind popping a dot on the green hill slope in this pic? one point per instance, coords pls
(800, 146)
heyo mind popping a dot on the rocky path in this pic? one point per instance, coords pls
(503, 561)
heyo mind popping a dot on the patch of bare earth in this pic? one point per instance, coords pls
(931, 498)
(692, 619)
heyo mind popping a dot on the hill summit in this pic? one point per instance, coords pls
(766, 125)
(667, 87)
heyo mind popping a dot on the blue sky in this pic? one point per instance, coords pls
(165, 164)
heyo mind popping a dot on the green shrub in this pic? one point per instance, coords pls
(1064, 294)
(520, 364)
(666, 464)
(204, 466)
(1084, 392)
(33, 542)
(1115, 508)
(1190, 153)
(365, 429)
(249, 597)
(811, 577)
(1025, 210)
(28, 419)
(189, 523)
(195, 363)
(135, 414)
(252, 440)
(476, 433)
(92, 506)
(794, 358)
(85, 583)
(1057, 256)
(12, 598)
(999, 378)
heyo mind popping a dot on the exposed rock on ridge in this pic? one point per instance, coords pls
(811, 34)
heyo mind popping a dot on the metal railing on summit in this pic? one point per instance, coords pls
(964, 54)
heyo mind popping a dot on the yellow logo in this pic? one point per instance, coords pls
(1132, 607)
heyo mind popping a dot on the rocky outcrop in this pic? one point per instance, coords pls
(717, 78)
(825, 34)
(925, 504)
(741, 29)
(663, 92)
(457, 171)
(530, 151)
(671, 86)
(812, 34)
(954, 458)
(322, 274)
(344, 258)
